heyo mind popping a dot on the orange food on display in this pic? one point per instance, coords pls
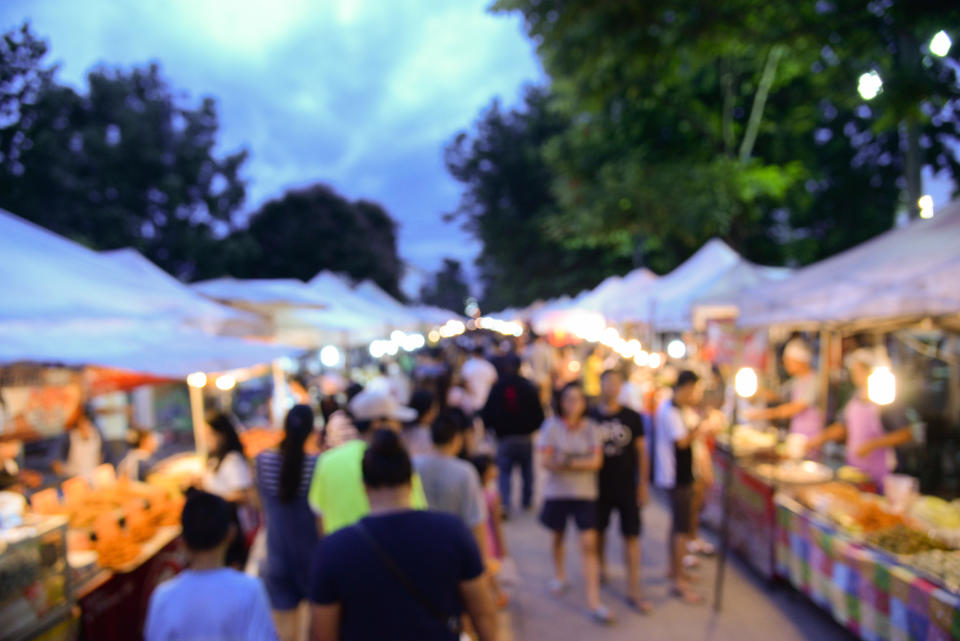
(117, 550)
(46, 502)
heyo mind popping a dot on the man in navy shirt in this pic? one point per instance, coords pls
(399, 573)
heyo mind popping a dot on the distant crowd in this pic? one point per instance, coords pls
(382, 516)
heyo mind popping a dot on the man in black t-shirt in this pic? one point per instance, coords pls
(622, 479)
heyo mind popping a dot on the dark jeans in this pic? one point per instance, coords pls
(513, 451)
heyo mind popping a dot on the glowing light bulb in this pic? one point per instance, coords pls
(940, 44)
(330, 356)
(197, 379)
(882, 386)
(676, 349)
(745, 382)
(226, 382)
(869, 85)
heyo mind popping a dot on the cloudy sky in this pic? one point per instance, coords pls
(361, 94)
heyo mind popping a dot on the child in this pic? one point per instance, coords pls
(496, 548)
(496, 543)
(209, 601)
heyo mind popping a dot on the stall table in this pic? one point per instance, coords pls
(865, 590)
(114, 603)
(751, 518)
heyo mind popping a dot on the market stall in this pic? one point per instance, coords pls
(122, 540)
(893, 583)
(756, 472)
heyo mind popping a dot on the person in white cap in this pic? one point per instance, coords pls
(337, 493)
(870, 432)
(803, 409)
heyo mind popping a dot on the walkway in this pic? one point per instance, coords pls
(753, 610)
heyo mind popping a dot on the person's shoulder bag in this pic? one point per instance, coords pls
(450, 621)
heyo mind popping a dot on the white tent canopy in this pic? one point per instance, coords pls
(136, 346)
(672, 298)
(44, 276)
(430, 315)
(627, 298)
(722, 299)
(303, 314)
(262, 293)
(910, 272)
(400, 315)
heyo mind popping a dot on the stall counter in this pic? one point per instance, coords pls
(865, 590)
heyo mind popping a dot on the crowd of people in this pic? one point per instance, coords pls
(383, 514)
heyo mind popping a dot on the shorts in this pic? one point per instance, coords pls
(628, 509)
(681, 504)
(284, 592)
(556, 513)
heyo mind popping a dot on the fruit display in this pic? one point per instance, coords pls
(901, 539)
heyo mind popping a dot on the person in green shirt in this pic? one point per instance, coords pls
(337, 492)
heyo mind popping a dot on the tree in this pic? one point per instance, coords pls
(449, 288)
(507, 202)
(125, 164)
(737, 119)
(312, 229)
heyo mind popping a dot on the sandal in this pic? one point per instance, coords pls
(601, 615)
(686, 595)
(640, 606)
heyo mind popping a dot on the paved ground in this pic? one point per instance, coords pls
(753, 610)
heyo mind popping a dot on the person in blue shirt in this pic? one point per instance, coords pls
(398, 574)
(208, 601)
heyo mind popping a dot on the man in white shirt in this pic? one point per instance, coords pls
(673, 471)
(478, 375)
(209, 602)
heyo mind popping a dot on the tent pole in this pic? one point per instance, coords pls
(196, 413)
(279, 383)
(826, 338)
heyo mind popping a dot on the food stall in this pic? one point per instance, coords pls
(123, 538)
(756, 472)
(880, 574)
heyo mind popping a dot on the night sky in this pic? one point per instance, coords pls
(359, 94)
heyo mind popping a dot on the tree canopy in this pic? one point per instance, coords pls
(673, 122)
(508, 200)
(127, 163)
(311, 229)
(449, 289)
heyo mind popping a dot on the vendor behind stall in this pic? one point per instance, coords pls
(141, 457)
(871, 432)
(9, 466)
(802, 409)
(82, 447)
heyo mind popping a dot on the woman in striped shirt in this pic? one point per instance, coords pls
(283, 477)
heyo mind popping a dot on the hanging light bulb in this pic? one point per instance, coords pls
(745, 382)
